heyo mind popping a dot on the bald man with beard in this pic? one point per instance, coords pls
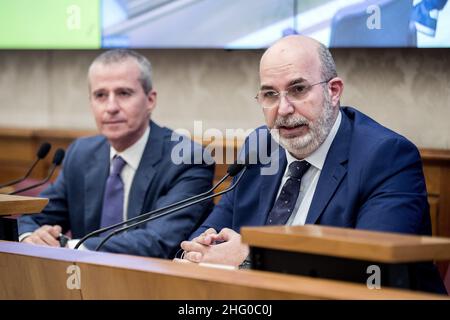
(336, 166)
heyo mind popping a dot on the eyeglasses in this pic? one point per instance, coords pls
(271, 98)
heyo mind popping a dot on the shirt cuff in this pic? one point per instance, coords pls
(24, 235)
(72, 243)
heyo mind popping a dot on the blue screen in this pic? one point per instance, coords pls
(250, 24)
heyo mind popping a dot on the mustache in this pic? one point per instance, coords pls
(290, 121)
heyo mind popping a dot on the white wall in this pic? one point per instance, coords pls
(407, 90)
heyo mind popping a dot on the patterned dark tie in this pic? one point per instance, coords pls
(285, 203)
(112, 211)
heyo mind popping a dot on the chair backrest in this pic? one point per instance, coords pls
(349, 25)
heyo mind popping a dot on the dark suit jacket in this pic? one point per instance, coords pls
(76, 196)
(372, 179)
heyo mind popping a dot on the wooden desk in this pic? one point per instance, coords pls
(349, 243)
(20, 205)
(10, 205)
(340, 253)
(34, 272)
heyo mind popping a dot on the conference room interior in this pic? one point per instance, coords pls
(206, 74)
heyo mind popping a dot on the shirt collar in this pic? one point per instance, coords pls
(133, 154)
(317, 158)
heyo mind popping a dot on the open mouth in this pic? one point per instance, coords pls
(293, 131)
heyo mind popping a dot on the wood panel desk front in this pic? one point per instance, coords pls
(33, 272)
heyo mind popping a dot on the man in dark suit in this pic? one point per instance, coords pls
(331, 166)
(126, 171)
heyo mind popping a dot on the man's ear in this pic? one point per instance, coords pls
(151, 101)
(335, 90)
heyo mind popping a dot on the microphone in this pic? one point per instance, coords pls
(41, 154)
(57, 160)
(195, 201)
(232, 171)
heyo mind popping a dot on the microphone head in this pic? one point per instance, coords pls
(235, 168)
(43, 151)
(58, 157)
(239, 164)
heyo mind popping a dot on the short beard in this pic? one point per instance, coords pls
(303, 146)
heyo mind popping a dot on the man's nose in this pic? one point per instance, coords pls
(285, 107)
(112, 105)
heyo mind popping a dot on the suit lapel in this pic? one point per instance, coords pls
(333, 172)
(95, 180)
(146, 170)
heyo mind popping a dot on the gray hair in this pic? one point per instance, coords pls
(120, 55)
(328, 67)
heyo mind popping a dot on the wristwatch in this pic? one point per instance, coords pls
(246, 264)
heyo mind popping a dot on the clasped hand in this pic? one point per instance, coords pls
(224, 247)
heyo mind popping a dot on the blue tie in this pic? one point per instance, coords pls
(112, 211)
(285, 203)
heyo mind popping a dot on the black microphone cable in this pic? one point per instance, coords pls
(155, 216)
(233, 170)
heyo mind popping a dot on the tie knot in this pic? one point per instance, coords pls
(297, 169)
(117, 165)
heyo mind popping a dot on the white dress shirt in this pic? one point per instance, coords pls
(310, 178)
